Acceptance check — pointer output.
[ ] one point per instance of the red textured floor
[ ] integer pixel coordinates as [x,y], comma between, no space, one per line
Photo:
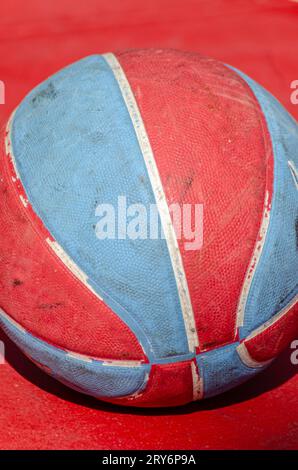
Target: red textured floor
[37,38]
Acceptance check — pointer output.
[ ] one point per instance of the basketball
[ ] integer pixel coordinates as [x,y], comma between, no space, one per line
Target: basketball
[149,227]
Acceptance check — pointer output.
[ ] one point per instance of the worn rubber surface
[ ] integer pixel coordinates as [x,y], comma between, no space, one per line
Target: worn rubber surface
[36,41]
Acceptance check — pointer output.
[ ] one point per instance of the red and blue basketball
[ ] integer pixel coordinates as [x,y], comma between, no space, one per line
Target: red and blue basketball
[149,320]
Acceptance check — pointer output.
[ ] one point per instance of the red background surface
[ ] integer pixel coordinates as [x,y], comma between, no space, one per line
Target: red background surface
[36,39]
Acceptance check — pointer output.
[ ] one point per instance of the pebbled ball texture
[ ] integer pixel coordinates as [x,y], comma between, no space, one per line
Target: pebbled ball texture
[142,321]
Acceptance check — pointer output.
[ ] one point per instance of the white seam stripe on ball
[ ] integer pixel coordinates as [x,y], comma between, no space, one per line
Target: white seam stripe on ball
[273,319]
[247,360]
[197,383]
[58,250]
[160,198]
[71,265]
[258,249]
[294,172]
[242,349]
[8,146]
[74,355]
